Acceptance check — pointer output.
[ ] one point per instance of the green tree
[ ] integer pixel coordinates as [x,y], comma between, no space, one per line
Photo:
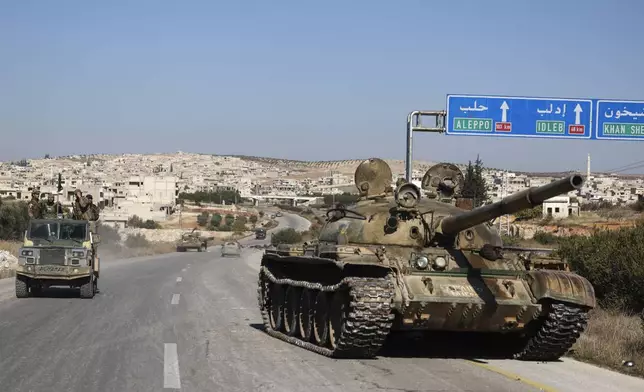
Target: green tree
[253,219]
[60,182]
[14,220]
[286,236]
[612,261]
[239,226]
[202,219]
[474,185]
[215,221]
[229,219]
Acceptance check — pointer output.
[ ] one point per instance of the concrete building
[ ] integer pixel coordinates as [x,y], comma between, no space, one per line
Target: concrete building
[560,207]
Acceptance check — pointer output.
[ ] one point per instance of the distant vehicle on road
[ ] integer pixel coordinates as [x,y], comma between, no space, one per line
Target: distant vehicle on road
[279,213]
[260,233]
[231,248]
[58,252]
[192,240]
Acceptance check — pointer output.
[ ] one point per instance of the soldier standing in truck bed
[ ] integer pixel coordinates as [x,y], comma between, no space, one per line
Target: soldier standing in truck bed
[34,204]
[93,209]
[49,209]
[81,206]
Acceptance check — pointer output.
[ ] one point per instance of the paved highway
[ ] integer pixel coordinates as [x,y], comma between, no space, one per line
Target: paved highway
[189,322]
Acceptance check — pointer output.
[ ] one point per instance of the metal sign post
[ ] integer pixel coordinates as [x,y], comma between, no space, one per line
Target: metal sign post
[414,125]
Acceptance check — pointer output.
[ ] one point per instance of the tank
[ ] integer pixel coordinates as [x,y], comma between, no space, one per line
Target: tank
[192,240]
[406,258]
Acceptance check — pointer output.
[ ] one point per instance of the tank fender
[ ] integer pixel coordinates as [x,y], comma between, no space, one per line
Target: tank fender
[562,286]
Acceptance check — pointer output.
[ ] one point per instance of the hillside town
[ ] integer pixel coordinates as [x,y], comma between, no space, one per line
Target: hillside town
[149,186]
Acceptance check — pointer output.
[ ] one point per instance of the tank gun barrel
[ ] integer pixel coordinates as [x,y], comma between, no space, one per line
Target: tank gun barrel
[522,200]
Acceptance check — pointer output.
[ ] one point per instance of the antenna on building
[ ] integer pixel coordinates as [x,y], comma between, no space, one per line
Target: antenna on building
[588,168]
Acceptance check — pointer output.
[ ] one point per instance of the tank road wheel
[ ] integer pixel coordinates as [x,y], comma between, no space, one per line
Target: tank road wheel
[88,287]
[276,306]
[550,336]
[321,319]
[353,323]
[291,310]
[305,314]
[22,287]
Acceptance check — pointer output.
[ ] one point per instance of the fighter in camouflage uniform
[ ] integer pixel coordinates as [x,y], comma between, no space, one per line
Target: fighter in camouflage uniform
[93,208]
[50,208]
[85,209]
[34,204]
[82,207]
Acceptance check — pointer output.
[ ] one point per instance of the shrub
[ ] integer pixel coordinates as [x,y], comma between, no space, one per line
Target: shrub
[14,219]
[545,238]
[136,241]
[286,236]
[613,261]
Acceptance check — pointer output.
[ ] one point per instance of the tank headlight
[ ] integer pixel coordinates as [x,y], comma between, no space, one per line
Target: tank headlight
[78,253]
[421,262]
[440,262]
[27,253]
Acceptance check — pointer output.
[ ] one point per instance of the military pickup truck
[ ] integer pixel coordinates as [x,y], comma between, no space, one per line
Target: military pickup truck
[58,252]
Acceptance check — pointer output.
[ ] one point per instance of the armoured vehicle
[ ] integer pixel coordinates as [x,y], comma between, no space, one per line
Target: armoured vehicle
[260,233]
[401,261]
[192,240]
[58,252]
[231,248]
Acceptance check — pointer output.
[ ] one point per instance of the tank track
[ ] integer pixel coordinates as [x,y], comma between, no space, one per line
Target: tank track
[556,333]
[369,317]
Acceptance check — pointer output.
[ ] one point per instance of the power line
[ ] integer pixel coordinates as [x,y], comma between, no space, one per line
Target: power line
[621,168]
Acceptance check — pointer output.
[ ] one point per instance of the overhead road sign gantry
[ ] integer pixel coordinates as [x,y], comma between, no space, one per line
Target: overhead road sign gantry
[620,120]
[507,116]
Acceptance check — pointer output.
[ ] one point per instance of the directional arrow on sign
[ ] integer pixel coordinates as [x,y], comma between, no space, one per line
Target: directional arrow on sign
[578,114]
[505,107]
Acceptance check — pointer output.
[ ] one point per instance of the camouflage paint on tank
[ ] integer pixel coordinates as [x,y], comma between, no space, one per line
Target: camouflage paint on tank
[469,283]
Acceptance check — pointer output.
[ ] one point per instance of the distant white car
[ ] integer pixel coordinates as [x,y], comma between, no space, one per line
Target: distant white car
[231,248]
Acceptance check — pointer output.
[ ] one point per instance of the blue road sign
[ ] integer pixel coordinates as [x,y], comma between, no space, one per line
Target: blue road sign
[519,117]
[619,120]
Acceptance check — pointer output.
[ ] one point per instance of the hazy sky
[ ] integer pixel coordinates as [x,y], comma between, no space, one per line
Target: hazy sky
[305,80]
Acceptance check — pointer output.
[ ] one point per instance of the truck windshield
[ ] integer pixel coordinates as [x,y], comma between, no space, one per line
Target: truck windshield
[58,231]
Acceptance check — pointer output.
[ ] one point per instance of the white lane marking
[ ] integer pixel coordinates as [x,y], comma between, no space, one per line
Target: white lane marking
[175,299]
[171,378]
[179,279]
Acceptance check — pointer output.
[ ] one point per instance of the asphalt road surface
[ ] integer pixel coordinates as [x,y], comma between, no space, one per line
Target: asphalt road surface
[189,322]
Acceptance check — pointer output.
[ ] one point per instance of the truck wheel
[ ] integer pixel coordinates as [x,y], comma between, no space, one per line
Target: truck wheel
[22,287]
[87,289]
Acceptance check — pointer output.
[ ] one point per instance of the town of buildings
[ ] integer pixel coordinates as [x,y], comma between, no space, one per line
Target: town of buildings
[149,185]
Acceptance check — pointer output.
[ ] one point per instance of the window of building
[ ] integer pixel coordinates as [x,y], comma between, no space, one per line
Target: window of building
[556,209]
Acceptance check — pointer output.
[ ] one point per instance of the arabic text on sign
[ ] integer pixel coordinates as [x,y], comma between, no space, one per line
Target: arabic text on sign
[480,108]
[549,110]
[623,113]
